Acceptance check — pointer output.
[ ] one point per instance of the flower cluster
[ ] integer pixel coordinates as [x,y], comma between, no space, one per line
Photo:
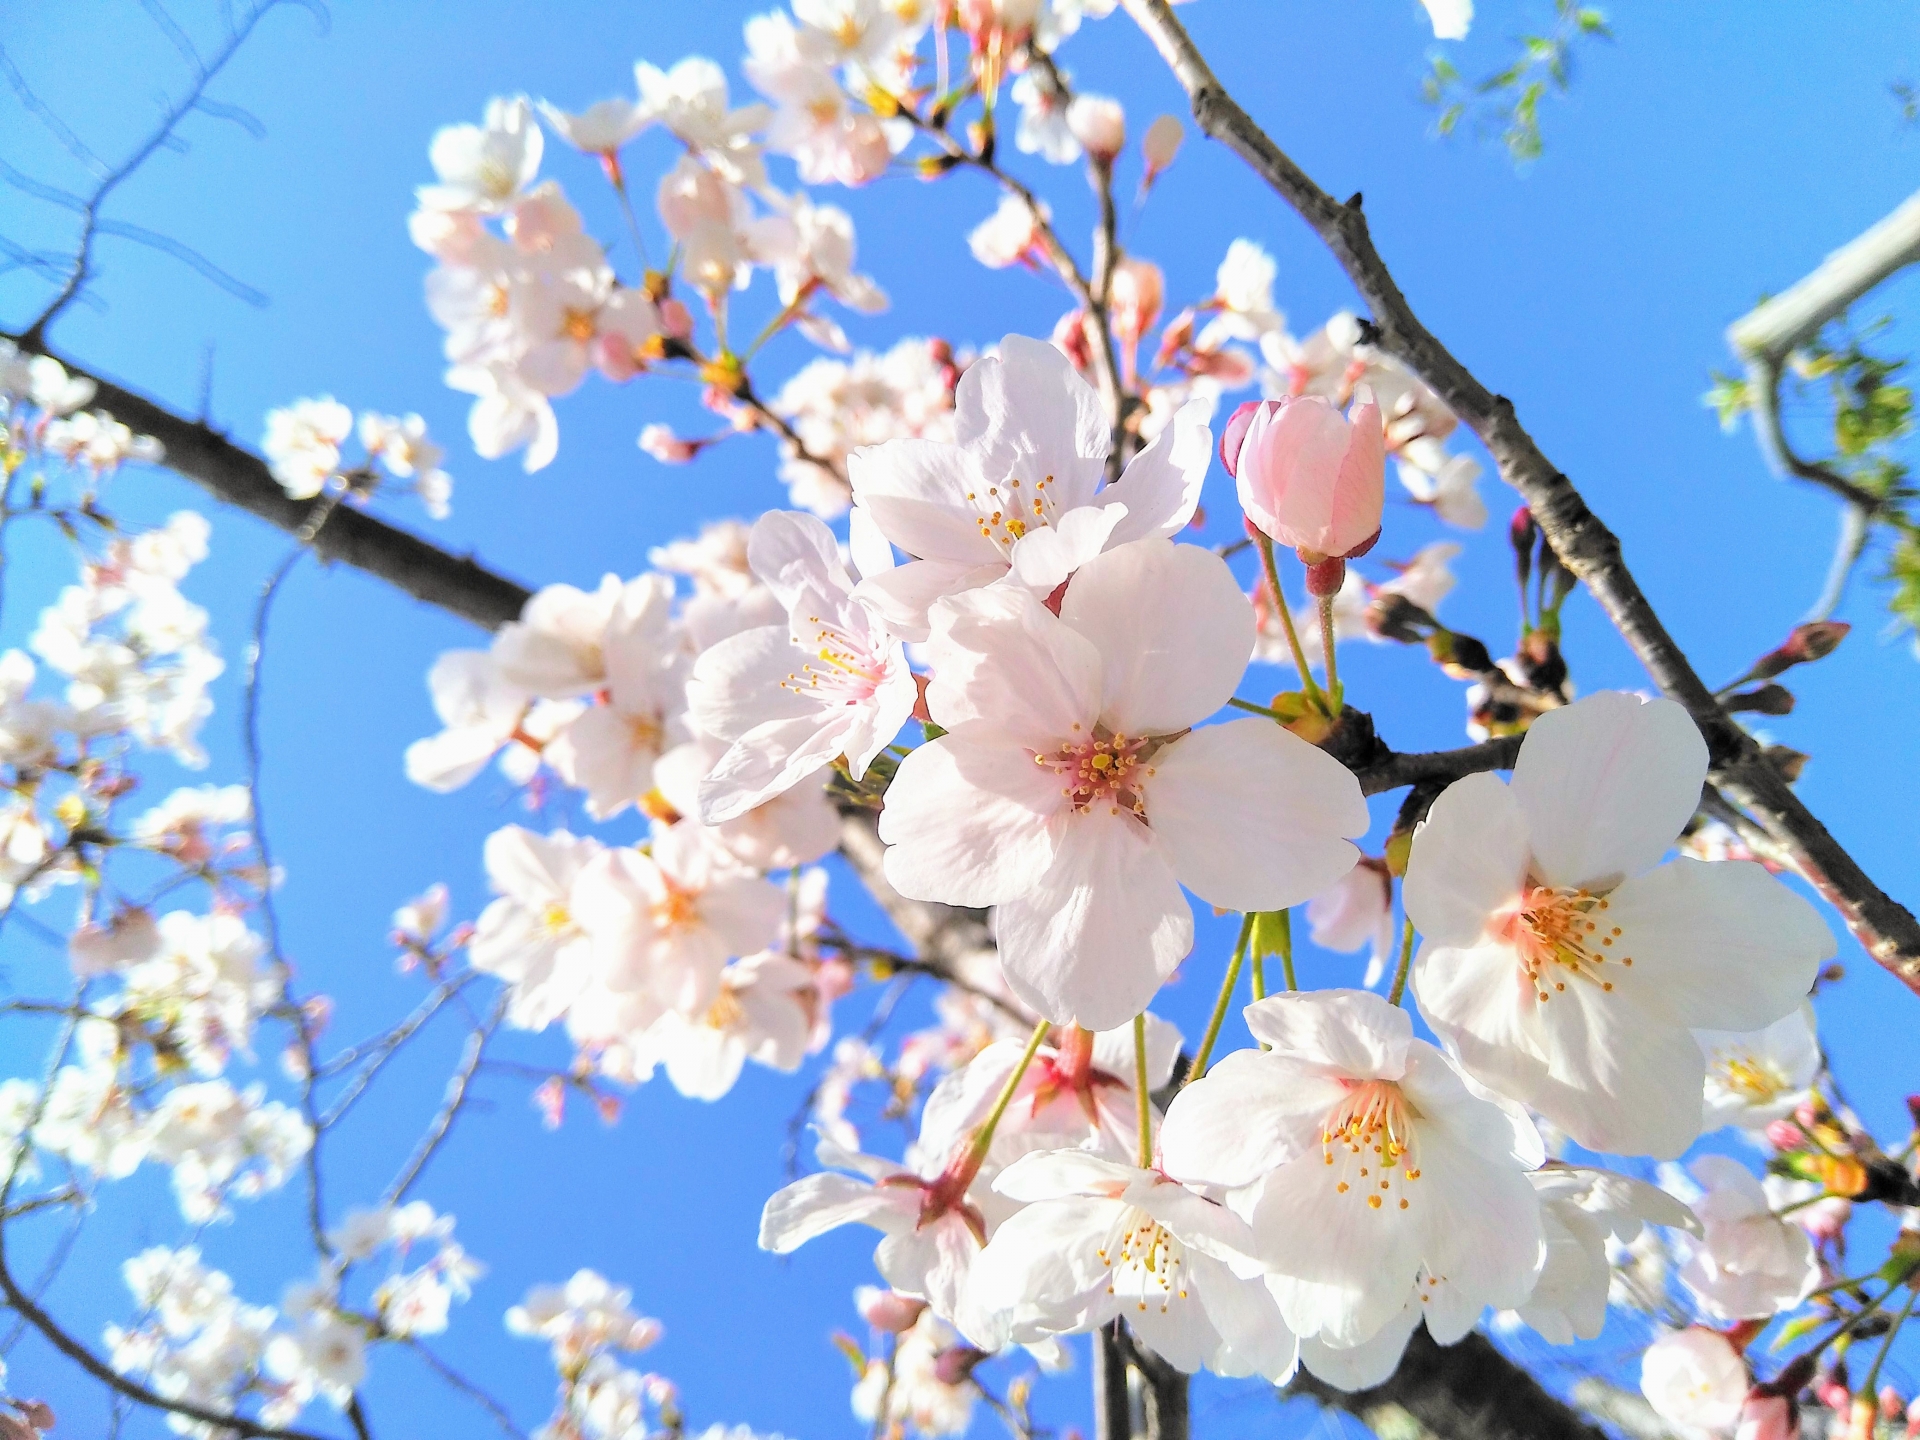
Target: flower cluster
[304,443]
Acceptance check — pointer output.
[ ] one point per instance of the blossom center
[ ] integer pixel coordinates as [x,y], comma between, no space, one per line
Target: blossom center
[1103,770]
[843,670]
[676,907]
[1562,933]
[1369,1136]
[577,325]
[555,918]
[1755,1078]
[1143,1259]
[1008,511]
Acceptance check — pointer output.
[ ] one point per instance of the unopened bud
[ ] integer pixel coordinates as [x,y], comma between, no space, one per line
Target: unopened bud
[887,1310]
[1099,124]
[952,1367]
[1392,616]
[1893,1404]
[1461,656]
[1784,1135]
[1159,145]
[1325,577]
[1764,700]
[1070,337]
[1813,640]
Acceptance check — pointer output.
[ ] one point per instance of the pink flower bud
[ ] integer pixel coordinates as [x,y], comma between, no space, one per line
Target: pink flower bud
[1070,338]
[952,1367]
[1784,1135]
[675,319]
[1160,144]
[1135,297]
[550,1099]
[1099,124]
[887,1310]
[662,444]
[1893,1405]
[1767,1417]
[1308,476]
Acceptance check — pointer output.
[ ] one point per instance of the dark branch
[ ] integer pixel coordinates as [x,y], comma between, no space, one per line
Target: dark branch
[352,537]
[1886,929]
[1468,1391]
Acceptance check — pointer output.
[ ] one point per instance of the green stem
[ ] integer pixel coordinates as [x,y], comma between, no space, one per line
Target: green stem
[1286,950]
[1140,1084]
[1326,645]
[1252,709]
[1873,1375]
[983,1137]
[1279,597]
[1406,962]
[1220,1004]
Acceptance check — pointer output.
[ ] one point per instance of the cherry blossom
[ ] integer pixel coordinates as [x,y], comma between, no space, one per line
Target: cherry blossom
[531,936]
[303,441]
[1073,794]
[586,1315]
[481,712]
[787,699]
[1749,1263]
[1694,1379]
[600,129]
[1019,490]
[484,167]
[1421,1179]
[1759,1077]
[1010,235]
[1585,1212]
[795,827]
[1076,1092]
[1308,476]
[1562,966]
[762,1014]
[1097,1238]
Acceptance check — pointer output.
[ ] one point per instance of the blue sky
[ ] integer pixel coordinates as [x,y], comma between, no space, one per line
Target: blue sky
[1709,155]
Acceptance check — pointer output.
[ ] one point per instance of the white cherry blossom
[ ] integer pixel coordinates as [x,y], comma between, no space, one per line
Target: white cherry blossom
[795,827]
[1416,1184]
[531,937]
[481,712]
[1585,1213]
[1696,1380]
[762,1013]
[1098,1238]
[1758,1077]
[1073,795]
[1562,963]
[787,699]
[1749,1263]
[1019,490]
[484,167]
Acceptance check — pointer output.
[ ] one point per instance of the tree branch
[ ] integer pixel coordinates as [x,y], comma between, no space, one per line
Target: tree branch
[1468,1391]
[236,475]
[1884,927]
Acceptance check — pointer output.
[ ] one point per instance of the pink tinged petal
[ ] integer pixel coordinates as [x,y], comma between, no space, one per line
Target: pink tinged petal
[1360,492]
[1250,1112]
[1161,485]
[446,761]
[902,596]
[1469,861]
[1288,471]
[930,1261]
[603,753]
[769,760]
[792,552]
[1349,1033]
[876,722]
[871,551]
[1004,665]
[1050,1174]
[1254,817]
[916,491]
[1090,939]
[815,1204]
[1593,1062]
[1200,1224]
[967,823]
[738,683]
[744,912]
[1047,554]
[1173,629]
[1719,945]
[1606,785]
[1027,414]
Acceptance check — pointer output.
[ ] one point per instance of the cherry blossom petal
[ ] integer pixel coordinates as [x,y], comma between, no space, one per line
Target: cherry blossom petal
[916,491]
[1606,785]
[1722,945]
[1173,628]
[1092,937]
[769,760]
[1042,1274]
[1006,668]
[1363,1366]
[1253,816]
[1161,485]
[790,551]
[815,1204]
[1047,554]
[1256,1337]
[1342,1032]
[1242,1118]
[1469,860]
[1346,1275]
[902,596]
[967,823]
[736,684]
[1026,413]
